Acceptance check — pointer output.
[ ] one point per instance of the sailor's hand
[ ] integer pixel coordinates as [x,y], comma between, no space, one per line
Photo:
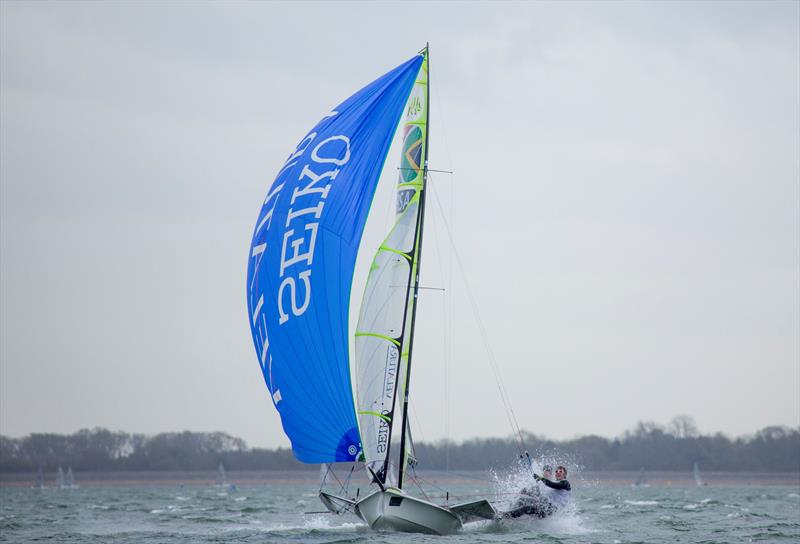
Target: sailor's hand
[536,477]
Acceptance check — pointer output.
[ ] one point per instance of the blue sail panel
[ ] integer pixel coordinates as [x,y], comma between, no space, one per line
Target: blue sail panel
[301,261]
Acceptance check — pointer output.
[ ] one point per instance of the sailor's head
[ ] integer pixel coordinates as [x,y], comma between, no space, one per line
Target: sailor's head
[561,472]
[547,471]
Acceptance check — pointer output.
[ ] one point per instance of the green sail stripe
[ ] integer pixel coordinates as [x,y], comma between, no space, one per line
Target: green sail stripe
[382,336]
[387,419]
[384,248]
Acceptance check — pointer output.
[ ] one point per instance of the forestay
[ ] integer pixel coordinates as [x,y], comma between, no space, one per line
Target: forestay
[301,262]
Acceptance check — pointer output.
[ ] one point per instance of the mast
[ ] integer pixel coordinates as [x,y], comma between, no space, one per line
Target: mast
[419,239]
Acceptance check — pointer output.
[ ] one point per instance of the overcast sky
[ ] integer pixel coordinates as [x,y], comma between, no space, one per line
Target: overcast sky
[625,202]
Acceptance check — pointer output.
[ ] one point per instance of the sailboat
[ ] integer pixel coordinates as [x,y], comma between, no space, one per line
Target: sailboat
[222,479]
[641,479]
[696,473]
[60,480]
[69,479]
[334,408]
[39,484]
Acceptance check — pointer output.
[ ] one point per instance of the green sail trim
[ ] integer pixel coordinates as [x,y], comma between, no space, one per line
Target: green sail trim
[386,418]
[397,251]
[383,336]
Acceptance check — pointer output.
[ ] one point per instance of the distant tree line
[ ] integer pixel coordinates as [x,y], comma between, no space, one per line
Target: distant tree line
[676,446]
[649,445]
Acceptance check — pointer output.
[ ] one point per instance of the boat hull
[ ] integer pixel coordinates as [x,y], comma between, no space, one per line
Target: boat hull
[396,511]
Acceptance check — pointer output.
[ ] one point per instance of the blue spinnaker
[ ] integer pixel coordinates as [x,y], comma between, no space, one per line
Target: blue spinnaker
[301,265]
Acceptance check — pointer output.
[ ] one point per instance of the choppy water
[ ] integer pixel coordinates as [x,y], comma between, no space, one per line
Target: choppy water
[274,512]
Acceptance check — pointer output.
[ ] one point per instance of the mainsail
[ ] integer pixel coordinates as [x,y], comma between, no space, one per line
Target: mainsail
[383,333]
[301,261]
[696,472]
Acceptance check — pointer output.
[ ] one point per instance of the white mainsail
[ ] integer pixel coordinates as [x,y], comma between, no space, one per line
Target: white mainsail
[383,334]
[696,472]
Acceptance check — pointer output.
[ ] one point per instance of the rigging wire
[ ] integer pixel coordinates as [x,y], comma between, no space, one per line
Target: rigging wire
[441,107]
[344,487]
[446,326]
[510,415]
[449,332]
[332,473]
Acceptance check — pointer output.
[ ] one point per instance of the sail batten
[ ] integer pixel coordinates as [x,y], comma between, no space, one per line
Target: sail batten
[301,261]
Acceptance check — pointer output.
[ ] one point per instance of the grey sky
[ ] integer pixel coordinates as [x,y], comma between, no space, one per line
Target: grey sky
[626,202]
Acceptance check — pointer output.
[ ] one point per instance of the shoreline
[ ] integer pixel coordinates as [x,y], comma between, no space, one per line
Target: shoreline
[311,477]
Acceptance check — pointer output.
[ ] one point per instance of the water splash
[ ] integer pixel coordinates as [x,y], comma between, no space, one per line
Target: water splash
[508,486]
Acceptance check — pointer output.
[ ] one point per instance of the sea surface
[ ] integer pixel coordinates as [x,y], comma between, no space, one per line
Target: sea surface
[276,509]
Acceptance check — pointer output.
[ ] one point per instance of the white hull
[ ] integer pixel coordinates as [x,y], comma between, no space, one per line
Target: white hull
[394,510]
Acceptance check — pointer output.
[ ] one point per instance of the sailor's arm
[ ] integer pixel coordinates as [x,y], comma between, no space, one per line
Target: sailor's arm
[561,484]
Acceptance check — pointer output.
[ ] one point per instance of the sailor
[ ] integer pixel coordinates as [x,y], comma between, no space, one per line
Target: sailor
[545,498]
[560,491]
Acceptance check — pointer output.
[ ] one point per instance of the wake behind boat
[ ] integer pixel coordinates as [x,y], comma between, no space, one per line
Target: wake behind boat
[300,273]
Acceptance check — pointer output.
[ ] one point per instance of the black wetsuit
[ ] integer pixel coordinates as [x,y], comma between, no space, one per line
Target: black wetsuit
[535,504]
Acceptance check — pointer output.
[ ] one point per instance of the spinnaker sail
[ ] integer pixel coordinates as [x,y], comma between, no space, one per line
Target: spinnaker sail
[301,261]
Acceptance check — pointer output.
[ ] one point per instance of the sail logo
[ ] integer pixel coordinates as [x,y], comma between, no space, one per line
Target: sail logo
[389,385]
[410,165]
[299,238]
[414,106]
[390,373]
[304,214]
[383,432]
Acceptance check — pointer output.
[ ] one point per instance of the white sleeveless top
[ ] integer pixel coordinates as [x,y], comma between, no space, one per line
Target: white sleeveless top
[559,497]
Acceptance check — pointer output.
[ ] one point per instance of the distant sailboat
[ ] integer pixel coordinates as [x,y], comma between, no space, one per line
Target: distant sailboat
[300,274]
[69,479]
[222,479]
[641,479]
[697,479]
[39,479]
[61,482]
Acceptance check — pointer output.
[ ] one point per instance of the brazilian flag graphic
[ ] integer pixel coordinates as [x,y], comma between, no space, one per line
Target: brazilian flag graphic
[410,166]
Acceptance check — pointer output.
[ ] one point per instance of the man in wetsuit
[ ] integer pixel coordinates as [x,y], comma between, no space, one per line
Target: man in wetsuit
[554,495]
